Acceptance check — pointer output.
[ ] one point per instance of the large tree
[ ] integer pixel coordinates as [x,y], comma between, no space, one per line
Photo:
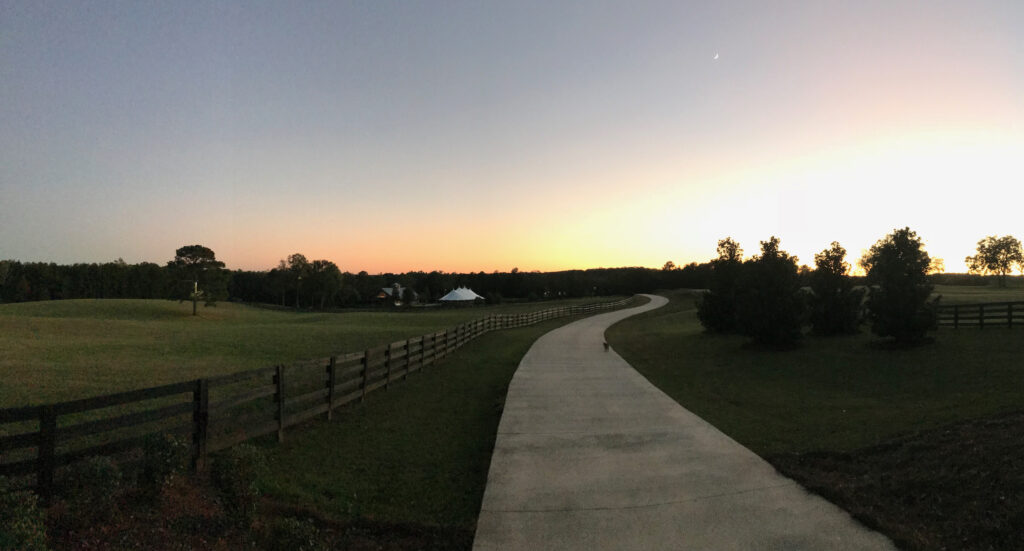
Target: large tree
[770,307]
[996,255]
[198,264]
[325,281]
[897,274]
[836,304]
[717,308]
[299,268]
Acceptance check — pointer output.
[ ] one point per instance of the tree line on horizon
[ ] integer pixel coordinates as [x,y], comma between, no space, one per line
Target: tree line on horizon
[296,281]
[765,298]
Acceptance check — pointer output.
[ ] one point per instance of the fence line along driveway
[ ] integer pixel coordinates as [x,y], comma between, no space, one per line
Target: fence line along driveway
[590,455]
[219,412]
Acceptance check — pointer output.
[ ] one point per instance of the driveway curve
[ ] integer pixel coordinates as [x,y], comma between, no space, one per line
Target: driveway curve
[590,455]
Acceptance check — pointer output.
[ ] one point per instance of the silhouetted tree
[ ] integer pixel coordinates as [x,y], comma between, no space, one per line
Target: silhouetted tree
[325,281]
[198,264]
[770,307]
[996,255]
[898,306]
[836,304]
[717,308]
[299,268]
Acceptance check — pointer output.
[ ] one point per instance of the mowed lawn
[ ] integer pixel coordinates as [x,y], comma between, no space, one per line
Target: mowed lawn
[61,350]
[416,455]
[834,394]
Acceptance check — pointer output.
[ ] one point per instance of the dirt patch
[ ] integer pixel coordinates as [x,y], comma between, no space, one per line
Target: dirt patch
[957,487]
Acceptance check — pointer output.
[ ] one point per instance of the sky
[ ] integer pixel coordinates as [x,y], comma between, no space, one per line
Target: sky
[468,136]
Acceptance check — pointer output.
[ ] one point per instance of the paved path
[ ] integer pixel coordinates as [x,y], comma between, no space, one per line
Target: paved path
[590,455]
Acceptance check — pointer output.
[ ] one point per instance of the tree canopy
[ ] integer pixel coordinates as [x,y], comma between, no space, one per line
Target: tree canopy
[996,255]
[199,265]
[897,273]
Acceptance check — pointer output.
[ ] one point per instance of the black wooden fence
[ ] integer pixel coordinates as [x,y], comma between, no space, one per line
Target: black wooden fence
[981,315]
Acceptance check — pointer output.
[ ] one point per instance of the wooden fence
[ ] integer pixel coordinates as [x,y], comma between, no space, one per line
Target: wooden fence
[37,441]
[988,314]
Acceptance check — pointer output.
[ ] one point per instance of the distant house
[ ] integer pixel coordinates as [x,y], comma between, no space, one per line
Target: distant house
[395,293]
[462,295]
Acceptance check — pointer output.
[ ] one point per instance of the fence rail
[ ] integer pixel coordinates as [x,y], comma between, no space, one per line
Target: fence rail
[990,314]
[37,440]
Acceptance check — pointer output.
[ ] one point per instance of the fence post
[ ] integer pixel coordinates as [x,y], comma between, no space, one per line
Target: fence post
[981,316]
[200,423]
[407,363]
[387,367]
[279,398]
[47,445]
[1009,314]
[330,386]
[366,373]
[956,316]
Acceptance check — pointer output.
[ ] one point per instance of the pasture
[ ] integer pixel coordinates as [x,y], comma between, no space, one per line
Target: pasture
[62,350]
[971,294]
[918,443]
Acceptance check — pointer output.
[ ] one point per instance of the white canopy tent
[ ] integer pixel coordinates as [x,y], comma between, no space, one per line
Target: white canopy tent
[462,294]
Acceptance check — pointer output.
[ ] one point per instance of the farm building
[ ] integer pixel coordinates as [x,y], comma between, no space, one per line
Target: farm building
[462,295]
[396,293]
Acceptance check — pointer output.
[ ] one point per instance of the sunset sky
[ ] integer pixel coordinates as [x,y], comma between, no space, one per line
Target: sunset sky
[466,136]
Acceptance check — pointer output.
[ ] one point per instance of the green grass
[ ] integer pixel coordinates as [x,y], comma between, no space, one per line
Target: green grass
[418,453]
[961,294]
[836,393]
[61,350]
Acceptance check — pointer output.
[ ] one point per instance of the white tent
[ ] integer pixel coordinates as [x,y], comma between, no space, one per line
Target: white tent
[462,294]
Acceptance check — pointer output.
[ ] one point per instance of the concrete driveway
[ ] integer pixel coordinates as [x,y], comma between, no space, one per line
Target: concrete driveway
[590,455]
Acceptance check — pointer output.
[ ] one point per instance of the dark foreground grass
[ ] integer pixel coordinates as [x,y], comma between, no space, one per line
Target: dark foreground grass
[957,487]
[62,350]
[923,444]
[407,466]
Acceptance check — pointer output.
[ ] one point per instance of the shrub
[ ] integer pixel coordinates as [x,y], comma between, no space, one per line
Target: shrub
[770,307]
[897,271]
[90,488]
[836,306]
[291,534]
[234,473]
[717,308]
[22,522]
[163,456]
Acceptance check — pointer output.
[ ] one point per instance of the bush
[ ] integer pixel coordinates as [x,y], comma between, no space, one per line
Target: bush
[163,455]
[717,308]
[897,271]
[770,307]
[234,473]
[90,488]
[291,534]
[836,306]
[22,522]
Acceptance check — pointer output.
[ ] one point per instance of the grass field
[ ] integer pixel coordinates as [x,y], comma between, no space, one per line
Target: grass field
[924,445]
[835,393]
[961,294]
[61,350]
